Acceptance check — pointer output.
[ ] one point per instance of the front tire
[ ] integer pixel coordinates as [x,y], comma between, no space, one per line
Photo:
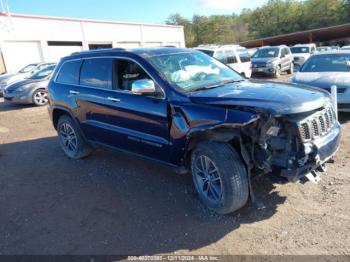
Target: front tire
[40,97]
[277,73]
[71,140]
[220,177]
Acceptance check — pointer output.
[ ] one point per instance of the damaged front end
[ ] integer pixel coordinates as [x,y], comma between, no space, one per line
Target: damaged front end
[294,146]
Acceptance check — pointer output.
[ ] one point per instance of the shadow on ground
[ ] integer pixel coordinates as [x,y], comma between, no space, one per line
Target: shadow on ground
[109,203]
[7,106]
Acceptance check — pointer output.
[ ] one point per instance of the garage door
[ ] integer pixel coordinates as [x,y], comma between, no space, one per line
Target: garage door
[19,54]
[128,44]
[57,50]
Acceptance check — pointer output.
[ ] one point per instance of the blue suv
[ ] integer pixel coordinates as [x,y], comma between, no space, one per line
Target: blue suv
[188,110]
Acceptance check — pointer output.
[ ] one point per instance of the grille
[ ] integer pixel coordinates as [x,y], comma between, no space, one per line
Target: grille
[317,125]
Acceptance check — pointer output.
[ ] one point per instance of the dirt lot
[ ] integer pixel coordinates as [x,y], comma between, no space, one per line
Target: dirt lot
[111,203]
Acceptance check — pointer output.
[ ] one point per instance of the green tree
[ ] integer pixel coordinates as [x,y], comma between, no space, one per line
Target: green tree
[177,19]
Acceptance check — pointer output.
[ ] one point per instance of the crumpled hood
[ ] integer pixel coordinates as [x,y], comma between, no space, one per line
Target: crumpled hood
[21,83]
[323,79]
[276,98]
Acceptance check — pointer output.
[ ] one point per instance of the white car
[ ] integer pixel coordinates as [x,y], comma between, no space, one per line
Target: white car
[235,56]
[346,47]
[302,52]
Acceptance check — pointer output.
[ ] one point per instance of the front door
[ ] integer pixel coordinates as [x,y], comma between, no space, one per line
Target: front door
[116,117]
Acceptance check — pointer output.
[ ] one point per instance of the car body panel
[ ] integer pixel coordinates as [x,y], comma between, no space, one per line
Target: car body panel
[273,97]
[325,80]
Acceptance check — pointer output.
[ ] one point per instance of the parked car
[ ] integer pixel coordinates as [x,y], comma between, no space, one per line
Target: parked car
[234,56]
[346,47]
[302,52]
[32,90]
[335,47]
[324,48]
[272,60]
[326,69]
[26,71]
[193,113]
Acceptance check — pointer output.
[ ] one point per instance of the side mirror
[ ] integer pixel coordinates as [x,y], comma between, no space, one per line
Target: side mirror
[143,87]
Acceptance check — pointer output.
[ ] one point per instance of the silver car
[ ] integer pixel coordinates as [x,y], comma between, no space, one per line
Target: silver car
[26,71]
[272,60]
[31,90]
[326,69]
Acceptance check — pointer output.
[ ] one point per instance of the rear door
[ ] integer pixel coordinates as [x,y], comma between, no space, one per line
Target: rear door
[232,61]
[244,58]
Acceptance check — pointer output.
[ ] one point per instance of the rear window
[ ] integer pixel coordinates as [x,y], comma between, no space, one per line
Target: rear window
[208,52]
[300,50]
[243,55]
[69,73]
[97,72]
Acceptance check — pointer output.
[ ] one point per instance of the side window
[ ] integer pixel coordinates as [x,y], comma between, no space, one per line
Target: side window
[126,73]
[283,52]
[231,57]
[97,72]
[244,56]
[69,73]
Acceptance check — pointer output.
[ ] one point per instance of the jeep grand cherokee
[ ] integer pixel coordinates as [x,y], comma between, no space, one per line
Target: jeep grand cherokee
[188,110]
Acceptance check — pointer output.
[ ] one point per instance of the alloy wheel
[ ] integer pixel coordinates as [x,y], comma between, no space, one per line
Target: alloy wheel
[40,98]
[208,179]
[68,138]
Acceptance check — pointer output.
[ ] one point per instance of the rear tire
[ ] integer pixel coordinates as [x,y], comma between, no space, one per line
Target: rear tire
[71,140]
[220,177]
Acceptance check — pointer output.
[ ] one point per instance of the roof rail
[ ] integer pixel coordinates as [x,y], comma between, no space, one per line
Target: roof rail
[98,50]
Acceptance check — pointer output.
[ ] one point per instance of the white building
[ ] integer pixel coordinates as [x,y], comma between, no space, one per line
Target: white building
[27,39]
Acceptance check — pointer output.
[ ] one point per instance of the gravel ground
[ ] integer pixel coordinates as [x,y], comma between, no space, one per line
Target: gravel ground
[112,203]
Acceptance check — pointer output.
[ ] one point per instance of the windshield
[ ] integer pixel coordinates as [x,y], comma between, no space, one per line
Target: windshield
[43,73]
[266,52]
[193,71]
[327,63]
[208,52]
[27,68]
[324,48]
[299,50]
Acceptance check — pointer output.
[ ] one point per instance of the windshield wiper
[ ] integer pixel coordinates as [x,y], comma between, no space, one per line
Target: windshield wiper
[218,85]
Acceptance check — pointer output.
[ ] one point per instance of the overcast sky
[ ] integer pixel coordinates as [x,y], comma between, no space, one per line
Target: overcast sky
[146,11]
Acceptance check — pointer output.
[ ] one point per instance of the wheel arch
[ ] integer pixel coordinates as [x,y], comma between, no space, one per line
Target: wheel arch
[231,136]
[57,112]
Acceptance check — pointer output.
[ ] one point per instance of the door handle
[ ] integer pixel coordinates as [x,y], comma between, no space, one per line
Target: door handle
[113,99]
[72,92]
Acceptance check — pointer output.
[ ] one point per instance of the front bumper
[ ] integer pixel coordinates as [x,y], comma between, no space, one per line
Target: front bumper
[24,97]
[322,150]
[263,70]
